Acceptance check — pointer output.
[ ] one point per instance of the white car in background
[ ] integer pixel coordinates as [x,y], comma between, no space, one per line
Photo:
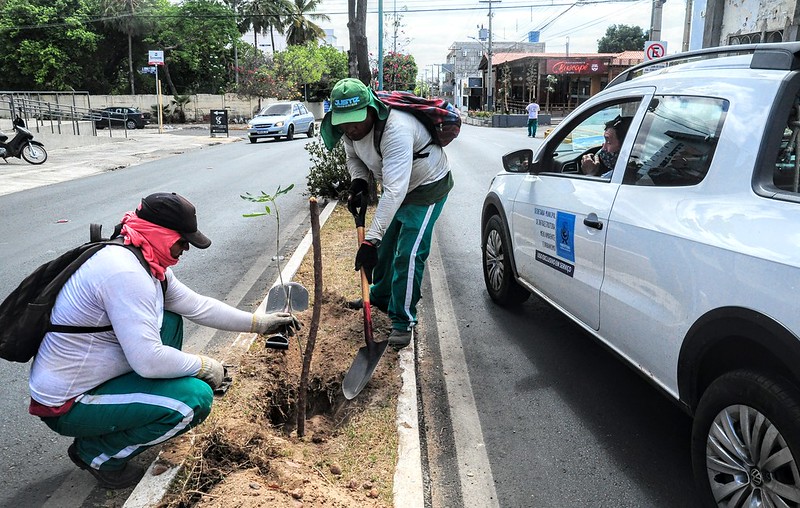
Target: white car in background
[685,261]
[281,119]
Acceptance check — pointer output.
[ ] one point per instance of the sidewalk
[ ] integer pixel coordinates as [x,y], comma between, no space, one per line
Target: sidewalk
[71,157]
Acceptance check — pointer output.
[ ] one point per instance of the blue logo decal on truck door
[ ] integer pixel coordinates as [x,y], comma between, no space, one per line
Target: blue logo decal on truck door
[565,233]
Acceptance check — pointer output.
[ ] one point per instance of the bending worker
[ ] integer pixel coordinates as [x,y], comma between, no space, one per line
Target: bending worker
[415,179]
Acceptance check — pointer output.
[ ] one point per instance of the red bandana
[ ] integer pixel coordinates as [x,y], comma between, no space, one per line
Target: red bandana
[154,240]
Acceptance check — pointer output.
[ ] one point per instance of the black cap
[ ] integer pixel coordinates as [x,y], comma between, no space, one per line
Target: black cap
[173,212]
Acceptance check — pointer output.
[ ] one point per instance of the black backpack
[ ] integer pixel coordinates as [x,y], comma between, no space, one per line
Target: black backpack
[25,313]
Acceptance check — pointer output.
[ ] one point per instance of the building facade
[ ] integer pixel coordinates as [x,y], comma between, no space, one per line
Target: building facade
[573,78]
[463,79]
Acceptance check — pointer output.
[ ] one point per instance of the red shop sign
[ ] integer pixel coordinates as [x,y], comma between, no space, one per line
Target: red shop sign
[575,66]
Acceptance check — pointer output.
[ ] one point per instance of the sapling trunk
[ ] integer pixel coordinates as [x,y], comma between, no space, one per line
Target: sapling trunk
[315,317]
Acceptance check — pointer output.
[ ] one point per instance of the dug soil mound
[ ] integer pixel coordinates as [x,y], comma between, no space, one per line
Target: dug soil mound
[248,453]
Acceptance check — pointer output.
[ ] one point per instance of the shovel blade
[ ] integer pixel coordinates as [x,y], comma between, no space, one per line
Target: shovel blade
[290,296]
[362,368]
[277,341]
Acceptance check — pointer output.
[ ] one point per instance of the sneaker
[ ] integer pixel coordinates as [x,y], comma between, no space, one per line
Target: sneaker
[399,339]
[123,478]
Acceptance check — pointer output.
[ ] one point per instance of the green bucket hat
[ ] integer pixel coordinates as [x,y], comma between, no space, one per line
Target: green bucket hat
[349,100]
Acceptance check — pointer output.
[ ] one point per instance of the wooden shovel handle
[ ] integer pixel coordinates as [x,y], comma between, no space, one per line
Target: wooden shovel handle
[368,337]
[364,282]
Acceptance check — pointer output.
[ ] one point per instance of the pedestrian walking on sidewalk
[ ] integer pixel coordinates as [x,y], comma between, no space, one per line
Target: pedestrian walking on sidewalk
[122,384]
[533,118]
[415,179]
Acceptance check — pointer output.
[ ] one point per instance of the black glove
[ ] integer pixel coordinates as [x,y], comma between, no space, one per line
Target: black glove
[367,258]
[357,186]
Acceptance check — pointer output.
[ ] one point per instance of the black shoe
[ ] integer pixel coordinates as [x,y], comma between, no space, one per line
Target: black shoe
[354,304]
[399,339]
[125,477]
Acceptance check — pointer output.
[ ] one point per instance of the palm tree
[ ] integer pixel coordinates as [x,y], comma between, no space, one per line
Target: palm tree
[300,28]
[121,15]
[263,15]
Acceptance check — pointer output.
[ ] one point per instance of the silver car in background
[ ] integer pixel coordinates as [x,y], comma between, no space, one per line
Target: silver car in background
[281,119]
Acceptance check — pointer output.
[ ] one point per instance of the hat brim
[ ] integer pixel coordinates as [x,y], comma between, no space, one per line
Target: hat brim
[331,133]
[197,239]
[354,115]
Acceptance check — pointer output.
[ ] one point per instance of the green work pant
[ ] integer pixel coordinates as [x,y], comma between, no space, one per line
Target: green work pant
[532,124]
[402,253]
[128,414]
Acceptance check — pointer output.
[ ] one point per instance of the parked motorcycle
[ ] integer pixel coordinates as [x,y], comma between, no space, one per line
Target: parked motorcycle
[22,144]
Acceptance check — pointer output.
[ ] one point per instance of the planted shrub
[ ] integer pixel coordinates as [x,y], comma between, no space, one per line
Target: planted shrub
[328,177]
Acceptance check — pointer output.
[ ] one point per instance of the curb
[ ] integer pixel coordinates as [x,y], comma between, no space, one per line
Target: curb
[408,488]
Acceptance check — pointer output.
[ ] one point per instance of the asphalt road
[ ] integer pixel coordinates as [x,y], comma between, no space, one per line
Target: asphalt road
[520,408]
[558,419]
[238,268]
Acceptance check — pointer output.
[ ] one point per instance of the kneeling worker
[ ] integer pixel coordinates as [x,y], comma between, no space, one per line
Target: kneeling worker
[121,391]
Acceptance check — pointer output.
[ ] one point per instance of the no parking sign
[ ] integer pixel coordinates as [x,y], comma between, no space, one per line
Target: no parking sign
[654,50]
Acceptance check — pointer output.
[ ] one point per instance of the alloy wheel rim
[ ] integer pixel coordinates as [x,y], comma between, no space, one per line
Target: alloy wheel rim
[494,259]
[749,462]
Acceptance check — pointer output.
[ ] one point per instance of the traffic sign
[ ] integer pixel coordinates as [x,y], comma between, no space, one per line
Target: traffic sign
[155,57]
[148,70]
[654,50]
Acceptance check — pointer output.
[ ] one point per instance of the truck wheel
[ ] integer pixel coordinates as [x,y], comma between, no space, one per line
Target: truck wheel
[746,441]
[498,274]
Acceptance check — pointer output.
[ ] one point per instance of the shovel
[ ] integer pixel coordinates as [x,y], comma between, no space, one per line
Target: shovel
[285,298]
[369,355]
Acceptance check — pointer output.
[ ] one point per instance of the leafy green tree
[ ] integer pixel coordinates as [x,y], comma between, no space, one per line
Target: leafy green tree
[130,18]
[399,71]
[619,38]
[300,29]
[335,69]
[307,71]
[197,37]
[47,44]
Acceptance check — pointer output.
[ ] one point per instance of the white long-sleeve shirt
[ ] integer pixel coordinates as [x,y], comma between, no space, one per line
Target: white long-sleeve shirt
[113,288]
[397,171]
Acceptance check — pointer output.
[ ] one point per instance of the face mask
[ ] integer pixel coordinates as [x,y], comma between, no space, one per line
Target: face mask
[608,159]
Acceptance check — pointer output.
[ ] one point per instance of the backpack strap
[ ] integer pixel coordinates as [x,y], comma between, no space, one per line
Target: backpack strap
[95,232]
[377,133]
[377,136]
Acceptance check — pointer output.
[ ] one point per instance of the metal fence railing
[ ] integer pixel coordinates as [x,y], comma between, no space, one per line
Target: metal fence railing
[61,114]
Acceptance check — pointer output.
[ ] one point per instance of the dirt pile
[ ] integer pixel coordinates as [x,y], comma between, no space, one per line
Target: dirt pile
[247,454]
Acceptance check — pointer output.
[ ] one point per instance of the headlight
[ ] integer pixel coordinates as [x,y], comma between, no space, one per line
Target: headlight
[278,124]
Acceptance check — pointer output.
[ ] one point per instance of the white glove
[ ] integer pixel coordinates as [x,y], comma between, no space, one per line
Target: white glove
[264,323]
[211,371]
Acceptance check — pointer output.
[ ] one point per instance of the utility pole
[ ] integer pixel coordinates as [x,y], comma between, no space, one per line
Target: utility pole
[687,25]
[490,84]
[380,44]
[655,20]
[236,47]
